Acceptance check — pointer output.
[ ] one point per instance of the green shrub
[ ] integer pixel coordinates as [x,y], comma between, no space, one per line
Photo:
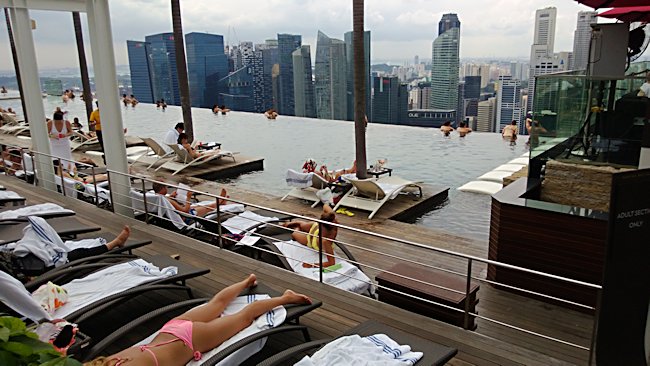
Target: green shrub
[19,346]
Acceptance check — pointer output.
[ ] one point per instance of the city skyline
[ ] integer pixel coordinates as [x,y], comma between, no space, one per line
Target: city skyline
[401,29]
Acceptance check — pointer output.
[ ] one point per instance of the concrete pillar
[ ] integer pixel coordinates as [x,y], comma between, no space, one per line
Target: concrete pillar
[32,95]
[99,27]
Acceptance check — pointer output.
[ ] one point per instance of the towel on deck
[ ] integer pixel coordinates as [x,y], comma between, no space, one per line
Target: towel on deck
[298,180]
[33,210]
[110,281]
[376,350]
[271,319]
[40,239]
[348,277]
[245,221]
[9,195]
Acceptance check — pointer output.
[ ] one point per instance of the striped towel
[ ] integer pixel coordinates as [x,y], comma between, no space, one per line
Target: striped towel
[40,239]
[378,349]
[297,179]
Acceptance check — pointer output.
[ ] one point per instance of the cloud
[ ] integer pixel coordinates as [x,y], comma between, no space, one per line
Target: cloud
[400,28]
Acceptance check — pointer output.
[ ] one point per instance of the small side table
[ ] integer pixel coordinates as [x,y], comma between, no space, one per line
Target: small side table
[376,174]
[209,146]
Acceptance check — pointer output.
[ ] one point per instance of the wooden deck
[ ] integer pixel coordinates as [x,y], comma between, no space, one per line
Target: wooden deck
[491,344]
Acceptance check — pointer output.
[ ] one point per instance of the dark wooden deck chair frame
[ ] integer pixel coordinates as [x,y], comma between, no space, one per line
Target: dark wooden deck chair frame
[66,227]
[291,323]
[434,353]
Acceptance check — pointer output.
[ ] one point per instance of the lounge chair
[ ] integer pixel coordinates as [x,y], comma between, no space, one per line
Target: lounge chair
[372,194]
[11,197]
[183,159]
[154,155]
[14,130]
[278,249]
[236,350]
[307,193]
[66,227]
[81,142]
[433,353]
[118,281]
[44,210]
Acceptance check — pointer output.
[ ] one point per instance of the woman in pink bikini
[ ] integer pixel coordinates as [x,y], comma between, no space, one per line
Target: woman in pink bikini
[199,330]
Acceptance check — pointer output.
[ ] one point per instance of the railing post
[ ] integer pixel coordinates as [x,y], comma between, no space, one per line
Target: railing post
[219,232]
[92,170]
[467,290]
[22,159]
[144,200]
[110,190]
[31,155]
[61,175]
[594,331]
[320,251]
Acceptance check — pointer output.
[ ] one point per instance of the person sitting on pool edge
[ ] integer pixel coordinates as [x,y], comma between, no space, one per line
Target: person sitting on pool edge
[200,330]
[183,142]
[307,233]
[187,207]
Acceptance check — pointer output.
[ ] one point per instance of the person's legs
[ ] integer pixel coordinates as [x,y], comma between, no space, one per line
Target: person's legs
[206,336]
[101,249]
[218,303]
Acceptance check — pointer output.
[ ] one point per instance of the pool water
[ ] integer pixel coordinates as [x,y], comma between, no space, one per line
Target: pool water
[415,153]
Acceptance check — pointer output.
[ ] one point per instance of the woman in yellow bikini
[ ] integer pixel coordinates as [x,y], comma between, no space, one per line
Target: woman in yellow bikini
[307,233]
[199,330]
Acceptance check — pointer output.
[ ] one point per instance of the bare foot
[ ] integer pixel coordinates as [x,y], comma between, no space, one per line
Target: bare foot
[225,195]
[121,239]
[251,281]
[294,298]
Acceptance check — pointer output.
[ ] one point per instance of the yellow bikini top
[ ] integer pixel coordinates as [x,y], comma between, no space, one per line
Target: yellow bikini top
[312,238]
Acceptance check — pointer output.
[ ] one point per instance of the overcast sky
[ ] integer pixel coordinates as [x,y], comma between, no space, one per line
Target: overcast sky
[400,29]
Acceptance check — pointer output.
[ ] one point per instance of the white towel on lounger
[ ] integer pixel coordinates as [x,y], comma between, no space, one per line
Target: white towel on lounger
[375,350]
[8,195]
[40,239]
[348,277]
[33,210]
[245,221]
[109,281]
[298,179]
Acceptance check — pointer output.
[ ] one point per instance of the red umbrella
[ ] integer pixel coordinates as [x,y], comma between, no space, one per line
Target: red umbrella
[598,4]
[629,14]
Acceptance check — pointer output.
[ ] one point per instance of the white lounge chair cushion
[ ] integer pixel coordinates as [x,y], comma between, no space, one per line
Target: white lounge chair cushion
[509,167]
[481,186]
[495,176]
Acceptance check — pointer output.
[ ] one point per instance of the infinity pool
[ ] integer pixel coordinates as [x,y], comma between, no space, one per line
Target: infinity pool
[414,153]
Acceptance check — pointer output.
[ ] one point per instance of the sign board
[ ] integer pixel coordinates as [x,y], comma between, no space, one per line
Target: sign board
[623,315]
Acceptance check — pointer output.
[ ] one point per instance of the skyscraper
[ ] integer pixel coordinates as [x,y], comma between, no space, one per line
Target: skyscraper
[140,73]
[237,89]
[330,78]
[206,60]
[390,100]
[581,39]
[508,107]
[303,83]
[485,118]
[541,52]
[164,78]
[349,47]
[445,64]
[287,43]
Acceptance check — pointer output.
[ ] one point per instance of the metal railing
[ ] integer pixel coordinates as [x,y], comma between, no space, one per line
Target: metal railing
[158,211]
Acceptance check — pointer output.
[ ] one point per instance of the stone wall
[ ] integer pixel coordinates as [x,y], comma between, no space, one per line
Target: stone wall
[580,185]
[521,173]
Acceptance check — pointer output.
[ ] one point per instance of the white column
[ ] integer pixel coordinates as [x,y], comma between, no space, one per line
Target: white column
[101,38]
[35,112]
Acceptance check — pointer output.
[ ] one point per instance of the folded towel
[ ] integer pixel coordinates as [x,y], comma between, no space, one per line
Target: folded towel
[245,221]
[377,349]
[299,180]
[34,210]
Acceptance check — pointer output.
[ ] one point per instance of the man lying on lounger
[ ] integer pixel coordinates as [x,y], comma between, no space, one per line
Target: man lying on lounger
[42,244]
[307,233]
[194,210]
